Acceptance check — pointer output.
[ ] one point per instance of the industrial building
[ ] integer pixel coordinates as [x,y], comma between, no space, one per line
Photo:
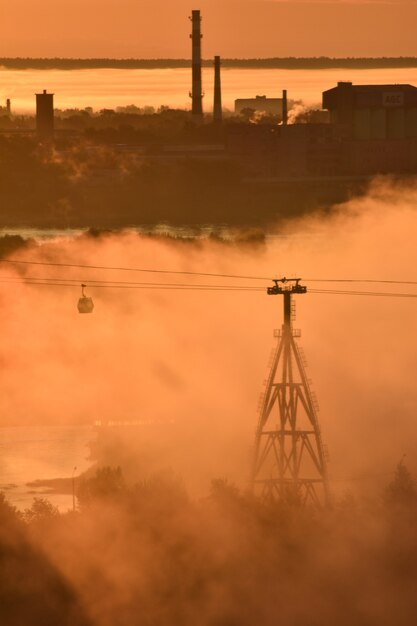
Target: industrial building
[374,111]
[260,104]
[372,130]
[293,150]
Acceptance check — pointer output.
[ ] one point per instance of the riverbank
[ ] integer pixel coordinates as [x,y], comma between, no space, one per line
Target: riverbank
[34,461]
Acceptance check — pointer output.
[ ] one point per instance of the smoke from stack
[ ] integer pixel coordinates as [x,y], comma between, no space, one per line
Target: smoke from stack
[197,89]
[217,108]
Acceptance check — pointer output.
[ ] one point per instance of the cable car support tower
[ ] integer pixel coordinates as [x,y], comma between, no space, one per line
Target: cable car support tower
[289,463]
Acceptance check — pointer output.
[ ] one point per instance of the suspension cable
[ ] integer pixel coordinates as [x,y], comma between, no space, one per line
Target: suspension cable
[191,273]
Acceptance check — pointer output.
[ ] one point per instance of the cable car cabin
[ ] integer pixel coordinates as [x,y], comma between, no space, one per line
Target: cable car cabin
[85,305]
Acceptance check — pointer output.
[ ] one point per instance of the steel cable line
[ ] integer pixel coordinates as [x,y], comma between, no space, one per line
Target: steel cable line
[166,286]
[132,269]
[359,280]
[207,274]
[65,282]
[115,283]
[363,293]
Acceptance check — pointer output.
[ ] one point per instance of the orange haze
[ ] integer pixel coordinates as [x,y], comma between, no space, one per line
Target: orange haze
[199,358]
[232,28]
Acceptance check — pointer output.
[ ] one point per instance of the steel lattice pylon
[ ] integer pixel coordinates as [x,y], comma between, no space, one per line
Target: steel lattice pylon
[289,462]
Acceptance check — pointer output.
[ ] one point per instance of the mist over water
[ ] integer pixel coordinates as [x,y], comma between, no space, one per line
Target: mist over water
[198,359]
[109,88]
[159,542]
[41,452]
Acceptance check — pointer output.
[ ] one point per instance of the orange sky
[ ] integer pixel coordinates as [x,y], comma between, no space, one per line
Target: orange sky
[232,28]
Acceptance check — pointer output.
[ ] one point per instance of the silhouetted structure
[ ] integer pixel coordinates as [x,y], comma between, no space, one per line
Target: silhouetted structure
[374,111]
[284,107]
[262,104]
[289,463]
[217,107]
[8,107]
[197,88]
[45,115]
[372,129]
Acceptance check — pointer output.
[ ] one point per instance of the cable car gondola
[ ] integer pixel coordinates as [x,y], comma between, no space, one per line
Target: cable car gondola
[85,304]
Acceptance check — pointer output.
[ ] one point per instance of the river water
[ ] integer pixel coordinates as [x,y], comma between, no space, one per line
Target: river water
[109,88]
[29,453]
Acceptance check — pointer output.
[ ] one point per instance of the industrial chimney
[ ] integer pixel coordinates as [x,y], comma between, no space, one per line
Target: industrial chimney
[197,89]
[45,115]
[8,107]
[217,107]
[284,107]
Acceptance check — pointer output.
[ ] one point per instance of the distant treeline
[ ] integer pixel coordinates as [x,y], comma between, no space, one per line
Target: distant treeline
[287,63]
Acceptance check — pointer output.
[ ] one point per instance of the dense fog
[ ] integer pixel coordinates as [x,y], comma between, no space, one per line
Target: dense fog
[165,530]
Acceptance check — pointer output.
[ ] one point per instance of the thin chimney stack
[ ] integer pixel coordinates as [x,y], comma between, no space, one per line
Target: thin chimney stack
[217,107]
[197,88]
[284,107]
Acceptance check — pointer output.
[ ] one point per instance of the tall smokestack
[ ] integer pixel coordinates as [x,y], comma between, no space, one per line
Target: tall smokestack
[197,90]
[8,107]
[45,115]
[284,107]
[217,107]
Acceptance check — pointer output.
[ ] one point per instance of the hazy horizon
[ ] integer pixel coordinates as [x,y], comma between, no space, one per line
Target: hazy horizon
[111,88]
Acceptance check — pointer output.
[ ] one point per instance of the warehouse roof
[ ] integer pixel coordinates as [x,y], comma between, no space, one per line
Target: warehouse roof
[365,96]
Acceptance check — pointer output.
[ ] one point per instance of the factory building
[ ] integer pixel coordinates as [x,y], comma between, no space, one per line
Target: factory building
[374,111]
[260,104]
[372,130]
[294,150]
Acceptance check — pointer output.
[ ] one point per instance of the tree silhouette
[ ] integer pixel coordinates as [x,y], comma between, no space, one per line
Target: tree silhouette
[402,491]
[107,483]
